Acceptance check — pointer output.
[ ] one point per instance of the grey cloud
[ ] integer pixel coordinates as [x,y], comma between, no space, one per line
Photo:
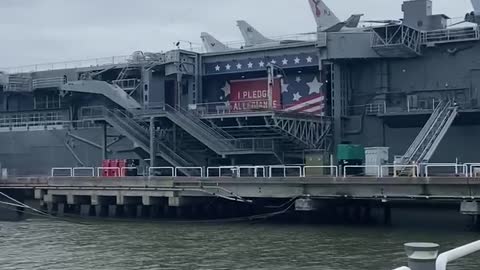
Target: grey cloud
[35,31]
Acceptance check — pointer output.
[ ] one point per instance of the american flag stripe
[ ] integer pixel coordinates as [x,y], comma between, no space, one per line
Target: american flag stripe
[314,109]
[305,103]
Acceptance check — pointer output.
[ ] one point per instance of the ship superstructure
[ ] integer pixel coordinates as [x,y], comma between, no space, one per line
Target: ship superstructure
[401,85]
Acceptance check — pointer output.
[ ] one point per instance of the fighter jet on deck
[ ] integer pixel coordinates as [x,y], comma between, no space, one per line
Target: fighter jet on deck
[253,38]
[326,19]
[211,44]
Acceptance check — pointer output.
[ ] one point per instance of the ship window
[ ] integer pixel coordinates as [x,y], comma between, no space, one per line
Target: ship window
[420,23]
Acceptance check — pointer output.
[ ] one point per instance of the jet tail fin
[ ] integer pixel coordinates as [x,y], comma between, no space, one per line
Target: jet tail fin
[324,17]
[251,35]
[211,44]
[476,6]
[353,21]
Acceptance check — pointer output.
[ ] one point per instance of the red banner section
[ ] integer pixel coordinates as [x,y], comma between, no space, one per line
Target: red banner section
[252,94]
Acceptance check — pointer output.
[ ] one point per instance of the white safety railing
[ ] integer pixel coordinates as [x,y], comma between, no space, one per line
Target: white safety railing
[219,170]
[115,169]
[471,168]
[177,169]
[376,167]
[455,166]
[454,254]
[255,169]
[84,172]
[460,170]
[123,170]
[285,169]
[152,170]
[236,171]
[333,169]
[383,168]
[59,171]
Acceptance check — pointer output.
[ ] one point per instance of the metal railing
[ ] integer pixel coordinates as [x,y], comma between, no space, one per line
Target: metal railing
[77,172]
[457,253]
[61,171]
[451,35]
[455,166]
[376,108]
[116,170]
[179,169]
[271,171]
[152,170]
[93,62]
[53,82]
[471,169]
[334,169]
[127,84]
[237,107]
[365,167]
[38,118]
[285,170]
[428,258]
[236,171]
[398,168]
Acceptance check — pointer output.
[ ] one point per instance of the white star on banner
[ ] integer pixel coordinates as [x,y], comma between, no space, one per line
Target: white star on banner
[297,60]
[309,59]
[298,79]
[261,64]
[285,61]
[273,61]
[226,89]
[239,66]
[217,68]
[297,96]
[315,86]
[284,87]
[250,65]
[228,66]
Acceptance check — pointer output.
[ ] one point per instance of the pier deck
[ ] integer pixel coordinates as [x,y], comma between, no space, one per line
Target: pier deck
[136,196]
[452,188]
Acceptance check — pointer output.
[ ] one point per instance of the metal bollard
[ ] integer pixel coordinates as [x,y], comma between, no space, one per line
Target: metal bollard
[421,256]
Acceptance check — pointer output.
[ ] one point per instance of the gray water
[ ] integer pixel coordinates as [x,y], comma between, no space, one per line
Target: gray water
[49,244]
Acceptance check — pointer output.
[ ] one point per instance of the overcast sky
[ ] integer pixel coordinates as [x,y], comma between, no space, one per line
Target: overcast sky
[42,31]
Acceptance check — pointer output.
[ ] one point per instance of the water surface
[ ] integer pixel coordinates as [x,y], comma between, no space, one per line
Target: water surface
[52,244]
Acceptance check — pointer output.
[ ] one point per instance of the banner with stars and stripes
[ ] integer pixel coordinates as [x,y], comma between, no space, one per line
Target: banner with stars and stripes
[297,92]
[303,94]
[260,63]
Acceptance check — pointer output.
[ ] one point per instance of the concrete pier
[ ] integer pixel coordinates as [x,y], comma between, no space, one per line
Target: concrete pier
[331,199]
[112,211]
[141,210]
[85,210]
[61,208]
[101,210]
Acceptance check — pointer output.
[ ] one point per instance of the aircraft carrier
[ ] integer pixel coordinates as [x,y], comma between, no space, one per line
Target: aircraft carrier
[411,86]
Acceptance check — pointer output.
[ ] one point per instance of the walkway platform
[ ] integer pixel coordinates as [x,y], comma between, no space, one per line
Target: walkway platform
[433,188]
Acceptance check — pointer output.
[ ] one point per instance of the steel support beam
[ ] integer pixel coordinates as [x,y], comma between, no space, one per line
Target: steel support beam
[152,142]
[104,141]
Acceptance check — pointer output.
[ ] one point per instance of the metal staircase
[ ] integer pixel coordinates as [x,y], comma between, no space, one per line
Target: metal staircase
[140,135]
[431,135]
[212,136]
[313,132]
[112,92]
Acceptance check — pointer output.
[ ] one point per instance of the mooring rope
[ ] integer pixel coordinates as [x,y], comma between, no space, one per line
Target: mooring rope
[35,211]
